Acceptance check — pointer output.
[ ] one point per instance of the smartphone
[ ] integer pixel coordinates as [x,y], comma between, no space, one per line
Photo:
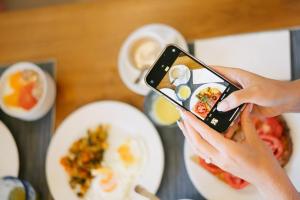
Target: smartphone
[192,85]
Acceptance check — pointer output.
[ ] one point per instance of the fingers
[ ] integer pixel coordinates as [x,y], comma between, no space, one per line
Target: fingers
[247,124]
[211,136]
[198,144]
[201,145]
[235,75]
[236,99]
[232,130]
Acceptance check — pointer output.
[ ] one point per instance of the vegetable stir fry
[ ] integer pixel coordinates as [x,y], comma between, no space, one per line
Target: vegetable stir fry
[85,155]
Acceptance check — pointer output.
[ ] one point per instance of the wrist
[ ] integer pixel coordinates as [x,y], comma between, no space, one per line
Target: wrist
[294,96]
[276,186]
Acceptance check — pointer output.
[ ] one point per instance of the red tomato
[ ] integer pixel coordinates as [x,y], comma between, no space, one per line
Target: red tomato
[26,99]
[274,143]
[234,181]
[269,126]
[276,126]
[210,167]
[201,109]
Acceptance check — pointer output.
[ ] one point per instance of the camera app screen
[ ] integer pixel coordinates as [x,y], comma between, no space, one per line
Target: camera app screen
[196,88]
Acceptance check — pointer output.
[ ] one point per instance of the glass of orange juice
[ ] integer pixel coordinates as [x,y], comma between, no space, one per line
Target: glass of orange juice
[160,110]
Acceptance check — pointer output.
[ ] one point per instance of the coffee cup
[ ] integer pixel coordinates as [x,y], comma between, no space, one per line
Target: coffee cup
[143,49]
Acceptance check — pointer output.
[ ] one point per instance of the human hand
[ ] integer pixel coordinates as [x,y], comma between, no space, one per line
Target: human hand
[271,97]
[250,159]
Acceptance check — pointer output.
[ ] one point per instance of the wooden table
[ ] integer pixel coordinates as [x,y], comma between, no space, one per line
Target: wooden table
[85,38]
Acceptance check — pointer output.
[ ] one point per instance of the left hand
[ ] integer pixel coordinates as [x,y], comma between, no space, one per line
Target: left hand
[250,159]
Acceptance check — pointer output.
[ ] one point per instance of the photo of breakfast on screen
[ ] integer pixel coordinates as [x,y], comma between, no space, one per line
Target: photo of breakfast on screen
[190,84]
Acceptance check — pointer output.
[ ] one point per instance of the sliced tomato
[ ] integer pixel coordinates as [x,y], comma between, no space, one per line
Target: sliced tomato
[275,126]
[26,99]
[269,126]
[234,181]
[210,167]
[274,143]
[201,109]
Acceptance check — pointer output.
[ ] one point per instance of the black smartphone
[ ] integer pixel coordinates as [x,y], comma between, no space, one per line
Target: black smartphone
[193,85]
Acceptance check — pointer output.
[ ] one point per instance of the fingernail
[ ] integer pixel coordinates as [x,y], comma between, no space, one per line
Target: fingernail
[179,123]
[250,108]
[181,112]
[223,106]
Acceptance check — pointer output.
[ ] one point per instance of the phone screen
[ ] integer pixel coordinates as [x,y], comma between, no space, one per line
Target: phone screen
[194,86]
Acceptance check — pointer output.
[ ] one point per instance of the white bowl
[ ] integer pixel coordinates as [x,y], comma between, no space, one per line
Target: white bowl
[45,102]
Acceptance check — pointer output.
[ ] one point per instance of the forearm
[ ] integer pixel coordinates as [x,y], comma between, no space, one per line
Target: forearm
[277,186]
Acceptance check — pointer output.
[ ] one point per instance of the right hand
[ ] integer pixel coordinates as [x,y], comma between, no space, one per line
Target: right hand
[249,159]
[271,97]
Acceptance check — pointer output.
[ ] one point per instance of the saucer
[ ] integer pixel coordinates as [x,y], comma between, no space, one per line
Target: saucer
[127,72]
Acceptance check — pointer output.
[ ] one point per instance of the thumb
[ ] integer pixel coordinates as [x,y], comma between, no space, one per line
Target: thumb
[235,99]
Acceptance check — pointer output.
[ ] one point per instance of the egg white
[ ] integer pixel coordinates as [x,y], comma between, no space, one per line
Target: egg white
[124,175]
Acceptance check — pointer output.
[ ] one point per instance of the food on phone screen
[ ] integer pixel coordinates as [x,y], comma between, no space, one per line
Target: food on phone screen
[183,92]
[23,90]
[207,98]
[104,164]
[273,132]
[179,74]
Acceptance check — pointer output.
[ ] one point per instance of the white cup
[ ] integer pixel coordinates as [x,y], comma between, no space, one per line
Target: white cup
[138,36]
[44,103]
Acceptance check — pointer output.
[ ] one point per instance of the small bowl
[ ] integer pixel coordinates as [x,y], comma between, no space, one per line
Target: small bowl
[44,103]
[14,188]
[177,91]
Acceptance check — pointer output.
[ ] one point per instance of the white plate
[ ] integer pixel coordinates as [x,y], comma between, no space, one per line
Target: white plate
[214,189]
[128,74]
[9,157]
[121,117]
[195,100]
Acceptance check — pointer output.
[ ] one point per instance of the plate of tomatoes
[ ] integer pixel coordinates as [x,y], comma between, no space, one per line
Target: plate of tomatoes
[280,134]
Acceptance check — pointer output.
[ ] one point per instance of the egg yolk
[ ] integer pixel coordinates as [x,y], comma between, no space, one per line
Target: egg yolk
[15,80]
[126,154]
[12,99]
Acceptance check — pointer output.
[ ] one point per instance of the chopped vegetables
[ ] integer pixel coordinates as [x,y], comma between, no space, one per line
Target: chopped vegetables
[207,99]
[85,155]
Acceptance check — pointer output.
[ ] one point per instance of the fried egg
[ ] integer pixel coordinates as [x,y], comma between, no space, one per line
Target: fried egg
[121,166]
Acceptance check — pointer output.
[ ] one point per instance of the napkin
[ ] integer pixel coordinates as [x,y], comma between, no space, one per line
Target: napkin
[265,53]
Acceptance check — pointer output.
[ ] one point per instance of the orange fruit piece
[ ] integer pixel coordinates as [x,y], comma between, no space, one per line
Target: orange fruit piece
[15,81]
[12,99]
[26,99]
